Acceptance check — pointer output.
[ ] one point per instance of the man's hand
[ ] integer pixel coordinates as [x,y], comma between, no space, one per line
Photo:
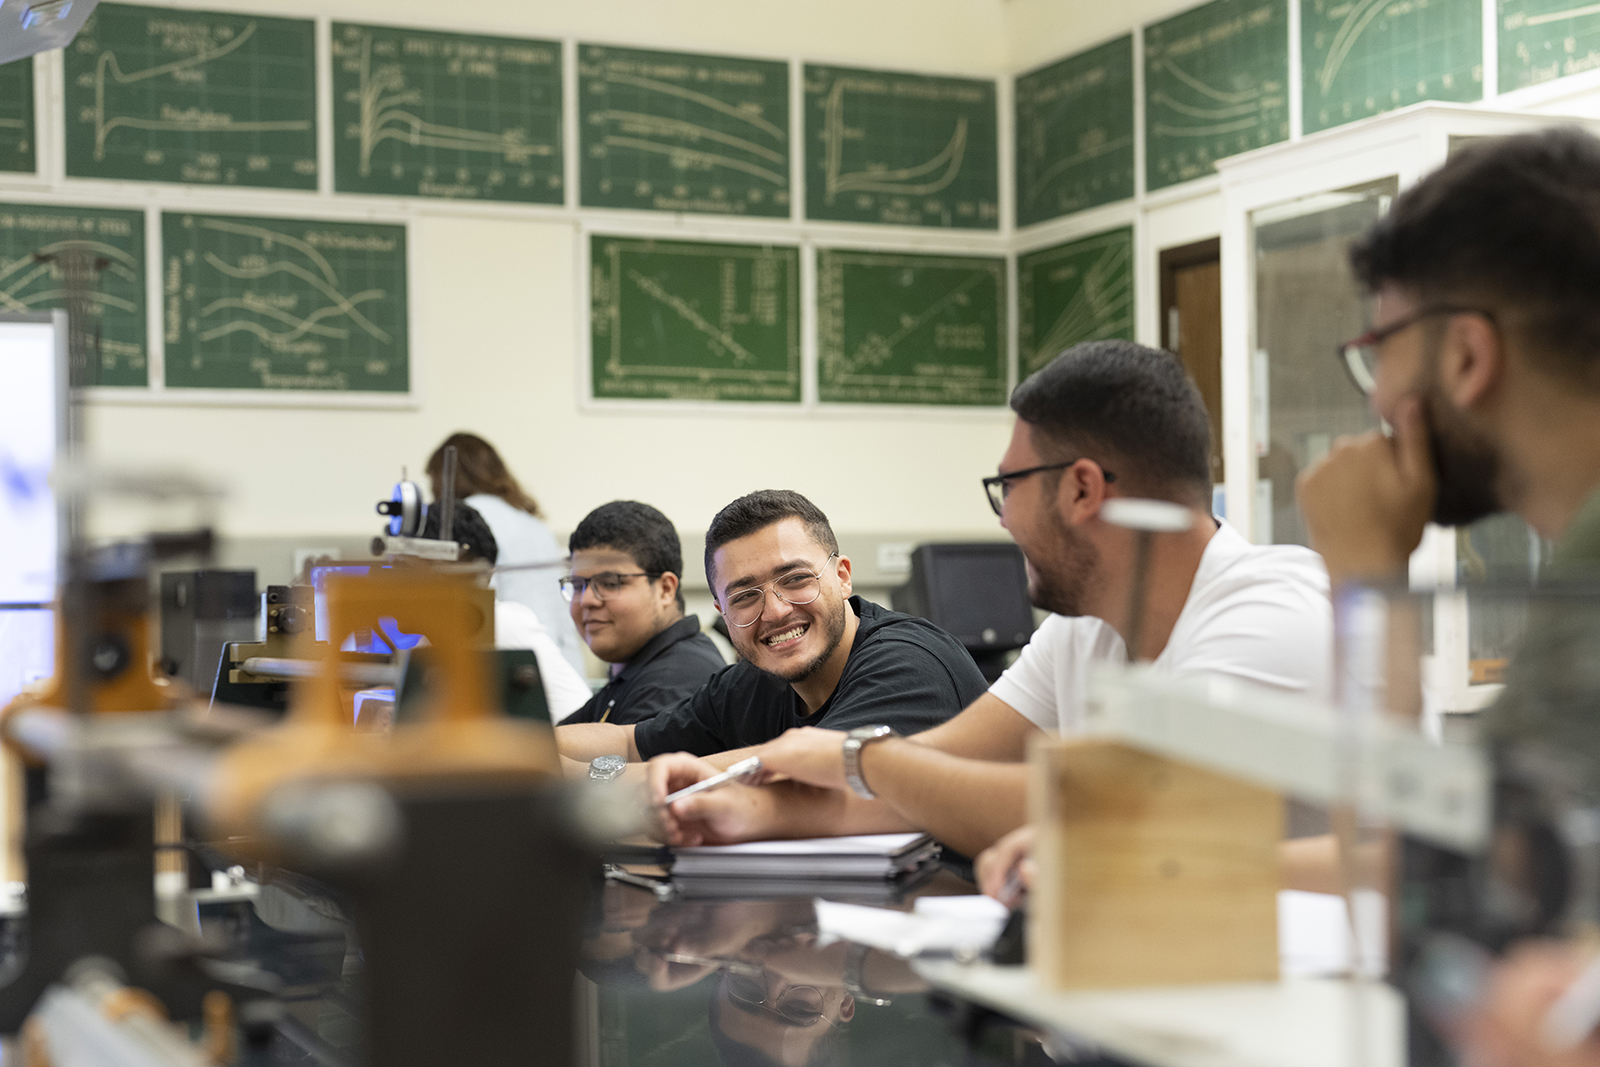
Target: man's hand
[1005,869]
[1366,503]
[806,754]
[1506,1031]
[720,816]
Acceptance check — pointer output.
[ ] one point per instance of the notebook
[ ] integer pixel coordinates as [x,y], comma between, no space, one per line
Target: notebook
[870,856]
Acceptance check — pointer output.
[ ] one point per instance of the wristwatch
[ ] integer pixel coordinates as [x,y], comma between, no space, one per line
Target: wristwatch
[606,768]
[853,743]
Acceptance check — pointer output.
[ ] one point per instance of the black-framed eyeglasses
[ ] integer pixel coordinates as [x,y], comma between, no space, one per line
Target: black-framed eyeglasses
[998,486]
[1360,354]
[797,588]
[605,583]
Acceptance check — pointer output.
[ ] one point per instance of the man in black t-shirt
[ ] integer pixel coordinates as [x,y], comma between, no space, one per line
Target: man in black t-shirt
[626,602]
[812,654]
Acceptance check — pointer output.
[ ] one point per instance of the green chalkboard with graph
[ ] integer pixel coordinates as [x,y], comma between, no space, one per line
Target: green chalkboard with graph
[1542,40]
[896,328]
[1078,291]
[1216,83]
[672,131]
[1075,133]
[16,116]
[417,113]
[34,241]
[206,97]
[1361,58]
[278,304]
[682,320]
[901,149]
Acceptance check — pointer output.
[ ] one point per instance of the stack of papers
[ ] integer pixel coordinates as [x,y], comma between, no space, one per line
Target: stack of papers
[877,857]
[967,925]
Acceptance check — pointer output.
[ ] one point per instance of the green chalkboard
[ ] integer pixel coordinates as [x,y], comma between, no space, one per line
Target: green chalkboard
[16,116]
[1216,83]
[269,303]
[445,114]
[171,95]
[1541,40]
[896,328]
[902,149]
[668,131]
[692,321]
[1364,57]
[116,238]
[1075,133]
[1078,291]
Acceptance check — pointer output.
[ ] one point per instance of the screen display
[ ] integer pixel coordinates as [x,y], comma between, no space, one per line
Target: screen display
[28,441]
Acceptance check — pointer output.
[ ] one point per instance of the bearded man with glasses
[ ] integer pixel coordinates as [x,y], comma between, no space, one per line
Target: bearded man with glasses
[1104,419]
[811,653]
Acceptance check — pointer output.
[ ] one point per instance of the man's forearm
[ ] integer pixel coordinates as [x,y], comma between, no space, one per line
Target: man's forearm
[583,741]
[797,810]
[968,804]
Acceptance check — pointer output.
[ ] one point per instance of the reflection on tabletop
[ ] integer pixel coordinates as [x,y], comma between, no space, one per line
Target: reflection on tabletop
[745,981]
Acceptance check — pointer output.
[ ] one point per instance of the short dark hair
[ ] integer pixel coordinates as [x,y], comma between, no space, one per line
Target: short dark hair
[467,528]
[637,529]
[760,509]
[1513,224]
[1130,408]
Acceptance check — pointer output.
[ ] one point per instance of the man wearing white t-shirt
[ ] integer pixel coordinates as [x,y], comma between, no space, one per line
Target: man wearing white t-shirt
[1105,419]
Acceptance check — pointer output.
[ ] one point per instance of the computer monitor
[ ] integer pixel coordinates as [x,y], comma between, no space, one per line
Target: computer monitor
[977,592]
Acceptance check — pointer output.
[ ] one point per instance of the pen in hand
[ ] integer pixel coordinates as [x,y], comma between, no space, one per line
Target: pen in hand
[739,772]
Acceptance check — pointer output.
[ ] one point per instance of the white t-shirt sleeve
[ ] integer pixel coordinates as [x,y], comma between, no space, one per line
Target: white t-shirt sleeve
[1278,636]
[518,626]
[1049,682]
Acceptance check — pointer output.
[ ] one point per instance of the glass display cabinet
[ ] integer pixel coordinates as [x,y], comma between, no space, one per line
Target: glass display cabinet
[1288,301]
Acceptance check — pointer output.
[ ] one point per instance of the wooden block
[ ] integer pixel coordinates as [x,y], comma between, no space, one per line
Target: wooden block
[1150,871]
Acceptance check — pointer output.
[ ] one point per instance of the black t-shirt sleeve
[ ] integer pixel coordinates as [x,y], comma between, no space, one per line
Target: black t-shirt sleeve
[902,685]
[694,725]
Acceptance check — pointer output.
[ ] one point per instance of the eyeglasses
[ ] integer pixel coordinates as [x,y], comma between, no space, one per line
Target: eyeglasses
[1360,354]
[605,583]
[798,1005]
[797,588]
[998,486]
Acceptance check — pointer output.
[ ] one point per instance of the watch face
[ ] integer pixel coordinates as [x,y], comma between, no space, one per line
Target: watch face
[607,766]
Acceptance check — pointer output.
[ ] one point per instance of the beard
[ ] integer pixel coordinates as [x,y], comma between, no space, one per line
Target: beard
[1465,464]
[1060,576]
[832,634]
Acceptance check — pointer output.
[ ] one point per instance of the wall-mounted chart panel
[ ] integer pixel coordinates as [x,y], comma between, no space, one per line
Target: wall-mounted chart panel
[1541,40]
[686,320]
[445,114]
[1216,83]
[669,131]
[1075,133]
[902,149]
[35,245]
[166,94]
[1078,291]
[16,116]
[275,304]
[895,328]
[1364,57]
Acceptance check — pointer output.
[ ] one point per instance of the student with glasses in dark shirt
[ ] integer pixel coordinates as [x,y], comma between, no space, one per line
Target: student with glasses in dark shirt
[811,653]
[625,597]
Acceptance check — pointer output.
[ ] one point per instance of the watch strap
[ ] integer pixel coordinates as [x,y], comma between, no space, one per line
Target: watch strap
[854,741]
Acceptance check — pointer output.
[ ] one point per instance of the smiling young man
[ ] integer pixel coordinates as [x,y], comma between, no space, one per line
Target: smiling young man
[1104,419]
[811,653]
[625,597]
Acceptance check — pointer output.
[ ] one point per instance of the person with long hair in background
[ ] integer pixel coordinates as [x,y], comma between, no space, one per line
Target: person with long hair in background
[484,481]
